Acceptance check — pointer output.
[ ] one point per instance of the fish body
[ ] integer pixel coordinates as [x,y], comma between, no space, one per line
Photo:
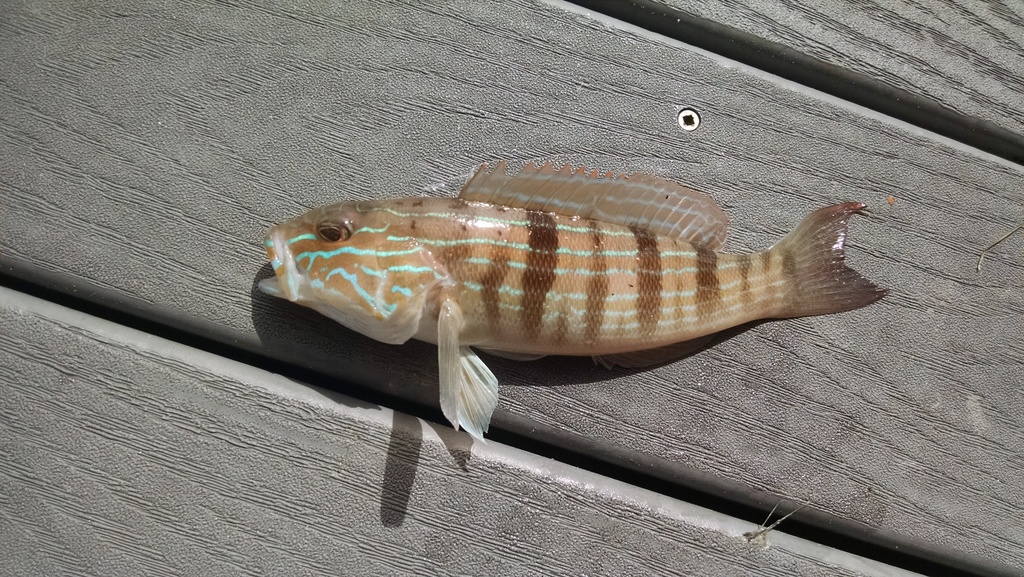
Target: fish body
[552,261]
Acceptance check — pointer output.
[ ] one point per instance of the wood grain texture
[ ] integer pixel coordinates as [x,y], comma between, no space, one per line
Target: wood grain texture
[144,150]
[966,55]
[127,454]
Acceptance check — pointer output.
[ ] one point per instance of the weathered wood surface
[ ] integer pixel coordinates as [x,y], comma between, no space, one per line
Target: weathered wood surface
[968,56]
[127,455]
[145,148]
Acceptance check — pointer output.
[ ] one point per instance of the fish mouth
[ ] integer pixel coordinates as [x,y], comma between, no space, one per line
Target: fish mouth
[289,277]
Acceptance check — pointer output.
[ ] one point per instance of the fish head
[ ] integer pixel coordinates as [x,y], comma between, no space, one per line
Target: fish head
[355,265]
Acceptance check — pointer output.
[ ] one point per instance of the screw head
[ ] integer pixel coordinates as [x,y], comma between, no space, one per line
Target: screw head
[688,119]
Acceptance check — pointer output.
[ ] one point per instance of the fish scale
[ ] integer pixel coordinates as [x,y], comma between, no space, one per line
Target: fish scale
[627,270]
[636,290]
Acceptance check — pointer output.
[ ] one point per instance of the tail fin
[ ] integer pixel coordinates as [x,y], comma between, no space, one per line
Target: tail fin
[812,259]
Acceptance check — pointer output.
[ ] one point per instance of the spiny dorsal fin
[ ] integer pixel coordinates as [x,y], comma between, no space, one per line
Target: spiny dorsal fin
[658,205]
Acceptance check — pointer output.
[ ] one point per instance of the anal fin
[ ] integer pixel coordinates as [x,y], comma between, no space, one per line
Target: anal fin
[513,356]
[469,390]
[657,356]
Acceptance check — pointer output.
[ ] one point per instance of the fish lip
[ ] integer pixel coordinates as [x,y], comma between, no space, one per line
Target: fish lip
[289,278]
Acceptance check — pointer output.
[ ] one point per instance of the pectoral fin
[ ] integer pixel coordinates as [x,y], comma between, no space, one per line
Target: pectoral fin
[469,391]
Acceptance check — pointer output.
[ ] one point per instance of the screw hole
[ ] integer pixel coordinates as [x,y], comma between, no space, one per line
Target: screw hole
[688,119]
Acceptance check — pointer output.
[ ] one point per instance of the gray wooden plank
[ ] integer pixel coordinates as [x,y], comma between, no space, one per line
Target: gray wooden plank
[143,152]
[126,454]
[968,56]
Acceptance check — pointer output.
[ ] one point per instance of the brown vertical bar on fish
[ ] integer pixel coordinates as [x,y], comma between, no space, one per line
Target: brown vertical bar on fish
[744,268]
[492,282]
[648,286]
[597,286]
[707,282]
[541,258]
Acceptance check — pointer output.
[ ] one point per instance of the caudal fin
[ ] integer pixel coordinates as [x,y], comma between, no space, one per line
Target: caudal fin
[813,257]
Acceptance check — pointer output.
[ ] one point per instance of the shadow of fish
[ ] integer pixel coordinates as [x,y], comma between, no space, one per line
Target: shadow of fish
[625,269]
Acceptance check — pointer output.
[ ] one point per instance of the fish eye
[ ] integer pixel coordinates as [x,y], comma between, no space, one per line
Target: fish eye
[334,231]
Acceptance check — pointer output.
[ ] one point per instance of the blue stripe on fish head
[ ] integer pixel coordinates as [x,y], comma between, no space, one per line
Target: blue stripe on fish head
[341,258]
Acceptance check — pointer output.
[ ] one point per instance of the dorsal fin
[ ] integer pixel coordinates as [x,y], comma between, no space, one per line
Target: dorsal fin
[658,205]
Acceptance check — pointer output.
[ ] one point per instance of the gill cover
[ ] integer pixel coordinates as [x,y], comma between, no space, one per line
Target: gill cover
[373,285]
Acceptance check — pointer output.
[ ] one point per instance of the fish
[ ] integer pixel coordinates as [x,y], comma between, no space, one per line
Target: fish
[625,268]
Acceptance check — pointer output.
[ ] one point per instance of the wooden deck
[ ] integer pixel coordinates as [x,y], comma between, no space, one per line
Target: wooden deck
[146,146]
[966,57]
